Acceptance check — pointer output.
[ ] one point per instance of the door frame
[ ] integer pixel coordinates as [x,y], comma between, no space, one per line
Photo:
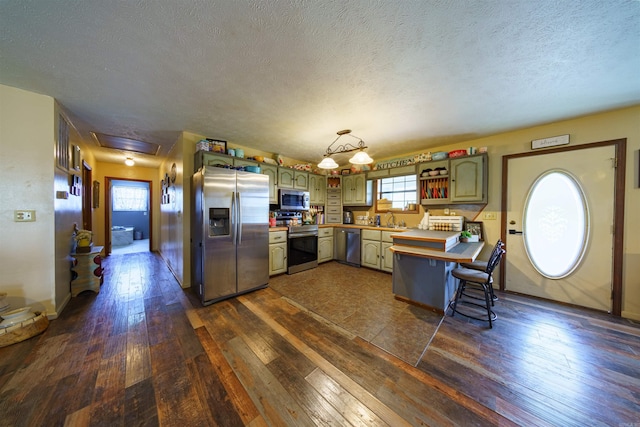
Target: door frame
[618,206]
[107,210]
[87,196]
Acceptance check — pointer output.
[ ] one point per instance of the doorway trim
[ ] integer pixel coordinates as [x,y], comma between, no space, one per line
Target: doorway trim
[87,196]
[618,206]
[107,210]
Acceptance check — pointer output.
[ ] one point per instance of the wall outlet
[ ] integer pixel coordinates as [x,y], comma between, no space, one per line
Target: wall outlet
[24,216]
[490,215]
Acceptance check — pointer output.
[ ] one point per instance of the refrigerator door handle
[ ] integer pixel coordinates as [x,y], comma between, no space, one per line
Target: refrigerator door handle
[239,217]
[234,223]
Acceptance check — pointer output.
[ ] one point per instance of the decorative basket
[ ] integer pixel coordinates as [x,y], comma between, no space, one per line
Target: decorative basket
[457,153]
[24,330]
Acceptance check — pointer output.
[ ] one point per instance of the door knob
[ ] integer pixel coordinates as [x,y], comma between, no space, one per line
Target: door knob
[512,231]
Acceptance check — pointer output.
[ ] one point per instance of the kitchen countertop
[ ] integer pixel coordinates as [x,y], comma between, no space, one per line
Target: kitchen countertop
[462,252]
[365,227]
[362,227]
[440,245]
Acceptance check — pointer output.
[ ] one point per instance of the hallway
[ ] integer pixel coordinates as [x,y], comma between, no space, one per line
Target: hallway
[144,352]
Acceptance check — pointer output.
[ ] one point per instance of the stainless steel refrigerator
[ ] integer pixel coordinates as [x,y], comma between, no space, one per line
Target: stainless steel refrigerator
[230,233]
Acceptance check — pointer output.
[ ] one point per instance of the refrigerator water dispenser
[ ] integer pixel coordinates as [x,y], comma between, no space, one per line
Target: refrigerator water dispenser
[219,221]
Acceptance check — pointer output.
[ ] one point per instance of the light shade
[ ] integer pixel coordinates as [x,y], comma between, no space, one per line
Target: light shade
[129,161]
[361,158]
[328,163]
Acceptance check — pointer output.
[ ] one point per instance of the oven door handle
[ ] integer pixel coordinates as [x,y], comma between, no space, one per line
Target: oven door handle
[294,236]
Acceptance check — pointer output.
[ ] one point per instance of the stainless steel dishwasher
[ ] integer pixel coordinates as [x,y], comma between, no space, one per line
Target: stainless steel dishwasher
[347,245]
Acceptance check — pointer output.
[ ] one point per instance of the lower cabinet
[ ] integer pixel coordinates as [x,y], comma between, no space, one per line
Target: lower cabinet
[277,252]
[375,249]
[386,263]
[325,244]
[370,251]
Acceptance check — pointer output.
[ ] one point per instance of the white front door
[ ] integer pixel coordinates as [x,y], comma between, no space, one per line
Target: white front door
[588,283]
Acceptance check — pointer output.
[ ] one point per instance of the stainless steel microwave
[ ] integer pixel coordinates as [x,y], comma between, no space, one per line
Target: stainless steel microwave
[293,200]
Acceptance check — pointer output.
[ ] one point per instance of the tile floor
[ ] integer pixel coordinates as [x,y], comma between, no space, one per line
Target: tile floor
[361,301]
[135,247]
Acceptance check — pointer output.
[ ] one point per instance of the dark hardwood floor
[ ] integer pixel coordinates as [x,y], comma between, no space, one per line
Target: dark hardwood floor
[144,352]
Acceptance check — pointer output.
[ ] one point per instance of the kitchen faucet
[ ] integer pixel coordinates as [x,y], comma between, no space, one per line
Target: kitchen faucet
[393,219]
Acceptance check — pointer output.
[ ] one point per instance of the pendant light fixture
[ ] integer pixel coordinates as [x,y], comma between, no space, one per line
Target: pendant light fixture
[360,158]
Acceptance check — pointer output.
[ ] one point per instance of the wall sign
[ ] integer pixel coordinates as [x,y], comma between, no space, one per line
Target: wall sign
[550,142]
[387,164]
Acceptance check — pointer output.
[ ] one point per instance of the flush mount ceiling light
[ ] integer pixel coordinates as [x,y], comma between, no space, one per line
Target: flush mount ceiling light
[129,161]
[360,158]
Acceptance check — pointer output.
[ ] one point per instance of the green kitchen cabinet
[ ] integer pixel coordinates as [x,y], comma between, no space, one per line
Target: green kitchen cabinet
[272,173]
[277,252]
[354,190]
[317,189]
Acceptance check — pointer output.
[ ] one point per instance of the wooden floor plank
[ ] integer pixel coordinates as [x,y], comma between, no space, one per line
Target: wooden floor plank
[272,400]
[294,381]
[240,399]
[178,404]
[212,394]
[140,407]
[351,408]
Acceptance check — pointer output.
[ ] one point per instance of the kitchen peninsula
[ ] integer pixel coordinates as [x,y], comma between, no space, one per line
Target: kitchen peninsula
[422,264]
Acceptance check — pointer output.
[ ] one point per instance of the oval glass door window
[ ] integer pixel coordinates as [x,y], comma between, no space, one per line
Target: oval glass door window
[555,224]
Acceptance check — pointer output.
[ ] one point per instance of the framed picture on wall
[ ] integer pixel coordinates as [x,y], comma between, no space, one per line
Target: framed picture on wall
[475,228]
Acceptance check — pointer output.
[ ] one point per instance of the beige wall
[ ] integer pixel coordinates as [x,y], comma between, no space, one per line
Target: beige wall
[27,262]
[34,256]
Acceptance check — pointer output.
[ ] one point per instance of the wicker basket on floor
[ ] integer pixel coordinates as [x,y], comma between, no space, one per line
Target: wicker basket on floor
[24,330]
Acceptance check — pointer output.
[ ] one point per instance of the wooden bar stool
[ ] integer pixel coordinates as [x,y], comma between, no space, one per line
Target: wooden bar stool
[475,280]
[482,266]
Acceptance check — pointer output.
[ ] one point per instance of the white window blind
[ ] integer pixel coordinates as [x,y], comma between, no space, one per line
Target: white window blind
[130,198]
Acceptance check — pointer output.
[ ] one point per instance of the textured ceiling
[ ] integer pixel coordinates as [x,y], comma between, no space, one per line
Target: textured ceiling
[285,76]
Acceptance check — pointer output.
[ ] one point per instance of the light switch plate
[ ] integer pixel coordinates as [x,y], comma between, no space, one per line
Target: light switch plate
[490,215]
[24,216]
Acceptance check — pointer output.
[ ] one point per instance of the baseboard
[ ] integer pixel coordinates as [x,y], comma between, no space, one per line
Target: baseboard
[60,309]
[166,262]
[630,315]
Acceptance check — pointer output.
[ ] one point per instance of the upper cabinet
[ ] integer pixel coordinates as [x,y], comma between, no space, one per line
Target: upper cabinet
[207,158]
[285,178]
[301,180]
[469,179]
[272,173]
[355,191]
[461,180]
[291,178]
[317,189]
